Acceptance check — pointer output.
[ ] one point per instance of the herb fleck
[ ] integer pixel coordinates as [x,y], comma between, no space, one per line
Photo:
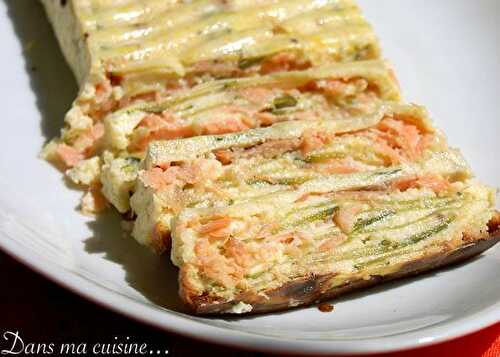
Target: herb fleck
[284,101]
[245,63]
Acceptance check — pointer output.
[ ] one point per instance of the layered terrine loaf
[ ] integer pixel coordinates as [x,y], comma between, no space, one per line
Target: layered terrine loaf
[264,146]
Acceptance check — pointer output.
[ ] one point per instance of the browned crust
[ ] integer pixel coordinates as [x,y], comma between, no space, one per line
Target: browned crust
[310,290]
[161,240]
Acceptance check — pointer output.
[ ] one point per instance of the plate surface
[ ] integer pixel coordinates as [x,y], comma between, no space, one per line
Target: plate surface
[446,54]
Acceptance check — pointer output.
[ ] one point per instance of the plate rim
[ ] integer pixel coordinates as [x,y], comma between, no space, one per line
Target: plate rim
[183,325]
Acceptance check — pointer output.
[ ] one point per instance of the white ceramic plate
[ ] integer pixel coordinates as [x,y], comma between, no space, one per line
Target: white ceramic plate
[447,56]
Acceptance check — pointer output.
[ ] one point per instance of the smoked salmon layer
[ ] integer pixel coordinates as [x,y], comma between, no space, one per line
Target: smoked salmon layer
[208,171]
[145,51]
[331,235]
[223,106]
